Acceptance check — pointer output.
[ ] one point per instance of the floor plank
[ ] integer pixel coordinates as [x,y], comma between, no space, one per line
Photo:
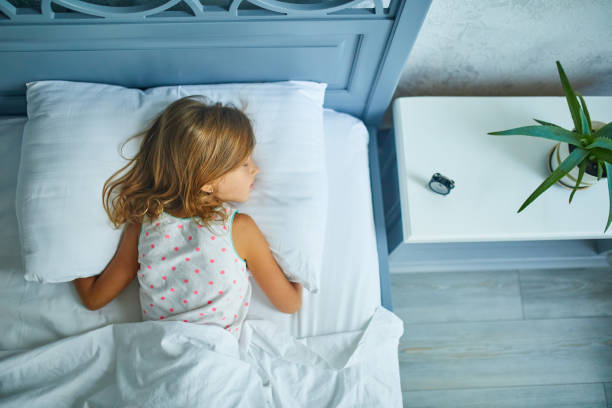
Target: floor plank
[452,296]
[551,396]
[506,353]
[567,293]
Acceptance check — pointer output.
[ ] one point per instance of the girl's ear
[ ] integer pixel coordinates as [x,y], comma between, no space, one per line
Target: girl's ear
[207,188]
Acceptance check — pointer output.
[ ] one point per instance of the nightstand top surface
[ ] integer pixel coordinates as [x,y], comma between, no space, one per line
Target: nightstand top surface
[493,175]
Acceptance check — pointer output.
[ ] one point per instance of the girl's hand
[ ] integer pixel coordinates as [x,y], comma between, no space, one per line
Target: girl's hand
[252,246]
[97,291]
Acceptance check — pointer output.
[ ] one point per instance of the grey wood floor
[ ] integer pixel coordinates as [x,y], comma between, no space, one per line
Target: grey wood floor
[528,338]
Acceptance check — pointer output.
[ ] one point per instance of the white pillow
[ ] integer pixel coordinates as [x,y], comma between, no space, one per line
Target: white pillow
[71,145]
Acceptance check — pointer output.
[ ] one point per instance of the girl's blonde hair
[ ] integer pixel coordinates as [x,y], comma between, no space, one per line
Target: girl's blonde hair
[189,144]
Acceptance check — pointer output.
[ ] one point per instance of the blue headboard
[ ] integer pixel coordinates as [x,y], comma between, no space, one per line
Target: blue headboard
[357,48]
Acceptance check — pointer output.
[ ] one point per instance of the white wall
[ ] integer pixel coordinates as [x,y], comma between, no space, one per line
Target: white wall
[509,47]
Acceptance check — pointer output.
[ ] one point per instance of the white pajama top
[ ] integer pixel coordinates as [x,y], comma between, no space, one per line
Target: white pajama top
[192,273]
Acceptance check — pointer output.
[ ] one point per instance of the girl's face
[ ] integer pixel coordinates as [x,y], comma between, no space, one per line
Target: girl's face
[235,185]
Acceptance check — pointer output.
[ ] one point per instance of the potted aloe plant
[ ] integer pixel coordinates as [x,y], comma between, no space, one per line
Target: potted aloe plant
[588,146]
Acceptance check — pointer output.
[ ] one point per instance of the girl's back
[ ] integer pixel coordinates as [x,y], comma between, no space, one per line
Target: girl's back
[192,273]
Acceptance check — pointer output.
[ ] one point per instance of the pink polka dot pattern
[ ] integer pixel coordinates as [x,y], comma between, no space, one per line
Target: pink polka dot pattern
[218,293]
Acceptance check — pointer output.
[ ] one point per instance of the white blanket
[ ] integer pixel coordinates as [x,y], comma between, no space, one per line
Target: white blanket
[168,364]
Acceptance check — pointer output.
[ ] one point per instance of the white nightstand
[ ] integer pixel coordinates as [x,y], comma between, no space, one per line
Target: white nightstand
[477,226]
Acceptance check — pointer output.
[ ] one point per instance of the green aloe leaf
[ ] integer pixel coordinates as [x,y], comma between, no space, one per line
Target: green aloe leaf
[605,131]
[572,101]
[566,166]
[584,108]
[541,122]
[586,125]
[545,131]
[602,154]
[609,174]
[599,170]
[602,142]
[581,169]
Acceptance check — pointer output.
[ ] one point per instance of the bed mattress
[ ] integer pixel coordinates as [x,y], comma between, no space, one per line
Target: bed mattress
[35,314]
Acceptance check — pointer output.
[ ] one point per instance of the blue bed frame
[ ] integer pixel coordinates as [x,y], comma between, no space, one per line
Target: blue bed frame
[358,51]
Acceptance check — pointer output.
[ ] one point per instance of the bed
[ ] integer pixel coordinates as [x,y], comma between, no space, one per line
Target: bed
[340,349]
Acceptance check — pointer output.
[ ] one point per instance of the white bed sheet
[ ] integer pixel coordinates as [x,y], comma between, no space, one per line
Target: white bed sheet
[35,314]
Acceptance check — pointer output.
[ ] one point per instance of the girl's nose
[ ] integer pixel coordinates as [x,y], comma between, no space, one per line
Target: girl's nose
[255,169]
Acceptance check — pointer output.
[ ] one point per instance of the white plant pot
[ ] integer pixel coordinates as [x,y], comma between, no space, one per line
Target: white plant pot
[559,153]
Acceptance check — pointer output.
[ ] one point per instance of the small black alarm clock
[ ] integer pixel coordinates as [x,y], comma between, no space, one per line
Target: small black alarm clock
[441,184]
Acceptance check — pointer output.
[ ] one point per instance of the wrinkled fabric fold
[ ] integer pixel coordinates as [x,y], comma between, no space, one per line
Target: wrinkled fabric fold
[165,364]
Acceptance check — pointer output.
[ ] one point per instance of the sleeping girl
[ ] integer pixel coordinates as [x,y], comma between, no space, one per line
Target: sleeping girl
[192,252]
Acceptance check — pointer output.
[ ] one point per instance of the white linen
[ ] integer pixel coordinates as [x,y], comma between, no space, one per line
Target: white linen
[174,364]
[71,146]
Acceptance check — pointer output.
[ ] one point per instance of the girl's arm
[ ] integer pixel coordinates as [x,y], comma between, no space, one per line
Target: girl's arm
[97,291]
[252,246]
